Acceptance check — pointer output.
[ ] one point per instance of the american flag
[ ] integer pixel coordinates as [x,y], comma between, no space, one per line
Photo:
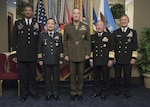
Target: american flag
[40,14]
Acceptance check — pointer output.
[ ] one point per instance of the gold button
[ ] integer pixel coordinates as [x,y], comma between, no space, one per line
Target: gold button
[101,55]
[96,50]
[119,46]
[28,29]
[126,47]
[29,42]
[96,54]
[126,42]
[101,50]
[119,52]
[28,33]
[125,52]
[28,37]
[96,46]
[76,42]
[120,42]
[101,46]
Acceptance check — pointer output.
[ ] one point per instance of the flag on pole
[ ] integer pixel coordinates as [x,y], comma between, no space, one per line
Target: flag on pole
[94,20]
[40,14]
[105,14]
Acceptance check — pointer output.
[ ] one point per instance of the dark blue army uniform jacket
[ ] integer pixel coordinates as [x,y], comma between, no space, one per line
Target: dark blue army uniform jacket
[125,45]
[25,38]
[50,49]
[102,48]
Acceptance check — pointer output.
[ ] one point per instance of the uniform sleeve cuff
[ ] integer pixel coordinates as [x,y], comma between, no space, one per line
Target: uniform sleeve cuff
[134,54]
[111,54]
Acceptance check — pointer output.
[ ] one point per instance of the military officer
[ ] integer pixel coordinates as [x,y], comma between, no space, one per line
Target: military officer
[102,56]
[50,54]
[125,55]
[24,50]
[77,49]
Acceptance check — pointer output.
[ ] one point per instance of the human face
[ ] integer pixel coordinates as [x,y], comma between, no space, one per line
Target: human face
[50,25]
[100,26]
[124,20]
[28,12]
[76,15]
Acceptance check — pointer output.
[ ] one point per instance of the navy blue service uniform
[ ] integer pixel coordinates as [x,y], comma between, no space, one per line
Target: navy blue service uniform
[24,48]
[102,52]
[50,51]
[125,49]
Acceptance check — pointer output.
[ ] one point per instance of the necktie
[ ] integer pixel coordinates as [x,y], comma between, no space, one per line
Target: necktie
[124,30]
[51,35]
[28,22]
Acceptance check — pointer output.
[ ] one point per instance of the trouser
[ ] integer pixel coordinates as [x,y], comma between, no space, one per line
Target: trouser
[27,73]
[51,79]
[101,79]
[76,77]
[127,68]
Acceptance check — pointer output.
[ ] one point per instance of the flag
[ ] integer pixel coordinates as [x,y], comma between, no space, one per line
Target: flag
[91,17]
[40,14]
[105,14]
[94,20]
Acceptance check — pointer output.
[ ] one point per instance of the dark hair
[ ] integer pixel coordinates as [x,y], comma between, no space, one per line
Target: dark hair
[124,16]
[50,19]
[28,6]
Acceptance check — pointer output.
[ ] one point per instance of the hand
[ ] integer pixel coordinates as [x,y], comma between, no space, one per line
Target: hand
[91,63]
[15,60]
[66,58]
[133,61]
[110,63]
[41,62]
[114,61]
[87,57]
[60,62]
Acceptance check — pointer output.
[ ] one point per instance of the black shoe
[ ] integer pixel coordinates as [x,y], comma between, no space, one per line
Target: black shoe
[80,98]
[23,99]
[72,97]
[94,95]
[36,97]
[56,98]
[48,97]
[116,95]
[103,98]
[128,97]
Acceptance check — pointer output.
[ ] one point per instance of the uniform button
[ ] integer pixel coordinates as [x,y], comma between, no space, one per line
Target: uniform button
[120,42]
[126,42]
[96,46]
[51,53]
[21,31]
[101,55]
[29,42]
[119,51]
[96,50]
[76,42]
[101,46]
[125,52]
[28,33]
[28,37]
[96,54]
[28,29]
[51,42]
[51,46]
[51,49]
[126,47]
[119,46]
[101,50]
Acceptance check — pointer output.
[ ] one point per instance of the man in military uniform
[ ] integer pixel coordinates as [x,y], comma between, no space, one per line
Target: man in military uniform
[24,50]
[77,48]
[102,56]
[50,55]
[125,55]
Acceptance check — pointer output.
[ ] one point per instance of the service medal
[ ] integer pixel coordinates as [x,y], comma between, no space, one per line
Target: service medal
[129,40]
[56,44]
[104,45]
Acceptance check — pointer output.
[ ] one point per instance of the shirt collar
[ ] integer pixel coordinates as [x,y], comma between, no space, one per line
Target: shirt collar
[124,29]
